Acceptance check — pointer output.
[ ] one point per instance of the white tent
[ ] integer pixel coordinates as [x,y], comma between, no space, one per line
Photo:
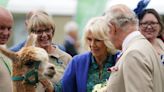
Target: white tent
[54,7]
[156,4]
[68,7]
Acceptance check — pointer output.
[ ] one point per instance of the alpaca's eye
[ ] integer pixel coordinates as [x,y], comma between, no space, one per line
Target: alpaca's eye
[32,63]
[29,64]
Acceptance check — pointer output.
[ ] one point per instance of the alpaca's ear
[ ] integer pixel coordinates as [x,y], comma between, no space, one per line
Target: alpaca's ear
[12,55]
[31,41]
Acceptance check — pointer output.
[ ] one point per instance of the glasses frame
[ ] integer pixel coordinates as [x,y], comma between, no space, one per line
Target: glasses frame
[41,31]
[146,24]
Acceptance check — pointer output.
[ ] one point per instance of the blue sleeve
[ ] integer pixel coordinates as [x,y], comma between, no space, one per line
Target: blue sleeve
[69,78]
[62,47]
[17,47]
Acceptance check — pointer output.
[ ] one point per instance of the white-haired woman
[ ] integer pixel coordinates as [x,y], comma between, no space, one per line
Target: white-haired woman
[90,68]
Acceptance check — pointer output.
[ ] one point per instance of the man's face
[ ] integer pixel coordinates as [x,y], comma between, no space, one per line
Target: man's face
[115,36]
[74,35]
[5,28]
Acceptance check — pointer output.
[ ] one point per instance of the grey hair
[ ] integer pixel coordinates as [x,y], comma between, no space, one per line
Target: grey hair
[121,15]
[71,26]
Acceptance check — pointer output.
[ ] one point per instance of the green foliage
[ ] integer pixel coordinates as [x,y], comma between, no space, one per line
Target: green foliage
[3,3]
[87,9]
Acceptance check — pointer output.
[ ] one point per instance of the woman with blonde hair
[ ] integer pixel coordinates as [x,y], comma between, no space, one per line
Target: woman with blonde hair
[90,68]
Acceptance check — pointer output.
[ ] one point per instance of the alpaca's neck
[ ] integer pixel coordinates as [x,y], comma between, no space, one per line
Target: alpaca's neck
[19,86]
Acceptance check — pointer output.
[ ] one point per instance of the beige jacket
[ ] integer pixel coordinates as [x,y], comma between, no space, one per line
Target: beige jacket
[5,74]
[139,69]
[60,59]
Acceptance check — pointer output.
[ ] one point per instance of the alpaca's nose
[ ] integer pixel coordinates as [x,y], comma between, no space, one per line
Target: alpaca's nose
[50,71]
[51,68]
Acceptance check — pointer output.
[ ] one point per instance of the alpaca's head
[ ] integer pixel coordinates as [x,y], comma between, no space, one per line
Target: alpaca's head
[35,57]
[30,62]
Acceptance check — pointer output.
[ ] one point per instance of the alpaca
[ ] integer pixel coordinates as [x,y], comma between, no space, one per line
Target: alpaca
[30,67]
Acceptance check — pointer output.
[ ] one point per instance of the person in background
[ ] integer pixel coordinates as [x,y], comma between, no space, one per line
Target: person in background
[6,23]
[71,44]
[139,68]
[161,35]
[90,68]
[43,26]
[18,46]
[151,26]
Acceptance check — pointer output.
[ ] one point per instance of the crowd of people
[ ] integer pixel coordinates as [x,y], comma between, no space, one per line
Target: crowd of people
[123,49]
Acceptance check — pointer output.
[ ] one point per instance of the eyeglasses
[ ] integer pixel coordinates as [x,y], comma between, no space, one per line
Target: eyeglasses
[146,24]
[40,31]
